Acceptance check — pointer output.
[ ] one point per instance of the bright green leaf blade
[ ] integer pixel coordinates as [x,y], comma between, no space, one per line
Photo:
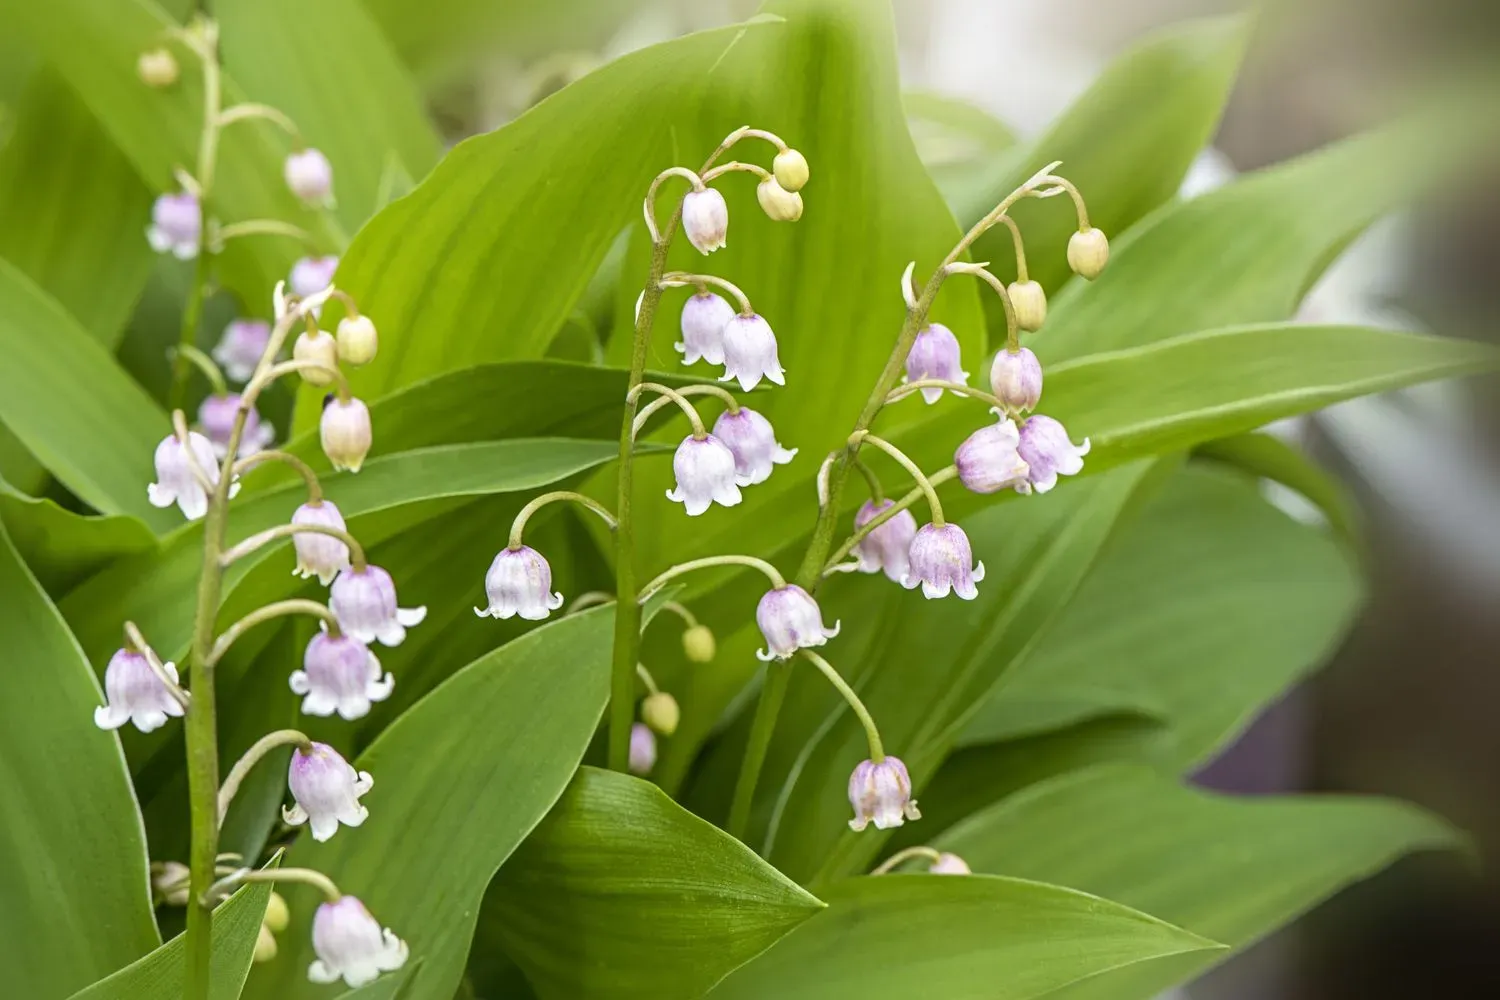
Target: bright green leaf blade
[1276,460]
[460,780]
[387,987]
[959,938]
[1233,869]
[73,406]
[61,547]
[960,144]
[622,893]
[72,849]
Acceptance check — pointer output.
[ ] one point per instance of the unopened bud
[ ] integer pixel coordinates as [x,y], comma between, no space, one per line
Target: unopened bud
[265,945]
[1017,378]
[790,168]
[357,340]
[277,915]
[157,68]
[345,433]
[170,880]
[1030,304]
[948,863]
[779,203]
[318,346]
[1088,252]
[642,749]
[660,712]
[698,644]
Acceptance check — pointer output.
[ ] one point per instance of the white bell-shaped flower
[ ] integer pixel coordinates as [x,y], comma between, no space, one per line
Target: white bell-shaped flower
[703,319]
[175,481]
[351,945]
[988,460]
[705,471]
[750,352]
[340,674]
[1049,453]
[364,602]
[326,789]
[886,549]
[880,793]
[319,555]
[940,562]
[790,620]
[136,694]
[705,219]
[519,582]
[753,440]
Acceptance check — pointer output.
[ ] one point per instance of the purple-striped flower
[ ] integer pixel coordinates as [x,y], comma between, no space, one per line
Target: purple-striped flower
[790,620]
[340,674]
[240,347]
[705,219]
[326,790]
[703,318]
[880,793]
[345,433]
[216,416]
[705,470]
[135,694]
[750,352]
[940,562]
[886,549]
[364,602]
[935,354]
[988,461]
[351,945]
[519,582]
[176,226]
[319,555]
[1048,453]
[752,439]
[1017,379]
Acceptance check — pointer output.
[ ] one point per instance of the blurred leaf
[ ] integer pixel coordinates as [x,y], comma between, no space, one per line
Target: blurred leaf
[72,851]
[960,144]
[460,780]
[61,547]
[1233,869]
[73,407]
[1272,458]
[387,987]
[961,938]
[330,68]
[620,892]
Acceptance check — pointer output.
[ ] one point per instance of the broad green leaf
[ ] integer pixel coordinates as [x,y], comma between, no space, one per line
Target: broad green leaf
[1275,460]
[960,144]
[387,987]
[72,850]
[1232,869]
[61,547]
[620,892]
[330,68]
[73,407]
[960,938]
[460,780]
[158,976]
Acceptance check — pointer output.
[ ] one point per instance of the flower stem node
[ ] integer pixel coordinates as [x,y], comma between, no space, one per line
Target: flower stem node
[519,582]
[750,352]
[364,602]
[135,694]
[216,415]
[157,68]
[326,789]
[752,439]
[277,915]
[240,347]
[779,204]
[1048,453]
[988,461]
[345,432]
[1016,379]
[340,674]
[705,219]
[357,340]
[948,863]
[175,481]
[934,354]
[705,470]
[660,712]
[887,548]
[790,168]
[176,226]
[880,792]
[941,562]
[318,347]
[319,555]
[790,620]
[351,945]
[1088,252]
[704,316]
[1029,301]
[698,644]
[642,749]
[311,275]
[309,175]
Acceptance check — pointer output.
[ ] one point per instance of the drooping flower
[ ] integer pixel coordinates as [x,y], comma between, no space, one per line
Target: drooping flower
[351,945]
[698,644]
[1088,252]
[988,461]
[779,204]
[1029,300]
[934,354]
[319,555]
[175,481]
[887,548]
[519,582]
[940,561]
[176,226]
[364,602]
[661,712]
[790,168]
[642,749]
[240,347]
[340,674]
[216,416]
[949,864]
[157,68]
[310,177]
[320,347]
[326,789]
[752,439]
[705,470]
[750,352]
[790,620]
[1017,379]
[880,793]
[1048,453]
[311,275]
[705,219]
[135,694]
[345,432]
[704,316]
[357,340]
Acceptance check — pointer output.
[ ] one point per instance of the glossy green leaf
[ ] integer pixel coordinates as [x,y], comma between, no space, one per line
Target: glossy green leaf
[960,144]
[974,938]
[1233,869]
[73,406]
[72,850]
[620,892]
[460,780]
[61,547]
[1284,464]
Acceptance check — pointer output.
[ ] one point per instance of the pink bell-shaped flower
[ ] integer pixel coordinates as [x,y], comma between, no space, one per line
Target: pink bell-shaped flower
[880,793]
[705,219]
[175,481]
[364,602]
[340,674]
[934,354]
[176,226]
[703,318]
[790,620]
[326,789]
[1048,453]
[750,352]
[753,440]
[519,583]
[216,416]
[886,549]
[705,470]
[136,694]
[988,461]
[1016,379]
[240,347]
[940,562]
[351,945]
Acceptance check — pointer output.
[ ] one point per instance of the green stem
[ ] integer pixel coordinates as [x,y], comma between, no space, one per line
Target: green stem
[891,863]
[937,478]
[708,562]
[306,876]
[256,541]
[872,735]
[519,524]
[278,609]
[915,470]
[253,756]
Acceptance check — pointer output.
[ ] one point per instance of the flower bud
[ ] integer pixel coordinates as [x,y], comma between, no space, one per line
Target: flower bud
[326,789]
[1048,453]
[752,439]
[265,945]
[1029,301]
[1016,379]
[277,915]
[1088,252]
[175,481]
[311,275]
[887,548]
[934,355]
[940,562]
[317,346]
[705,472]
[519,582]
[777,202]
[216,415]
[240,347]
[310,177]
[340,674]
[351,945]
[319,555]
[705,219]
[170,880]
[988,461]
[364,602]
[790,168]
[750,352]
[703,318]
[661,713]
[790,620]
[642,749]
[357,340]
[698,644]
[881,793]
[949,864]
[176,225]
[345,432]
[157,68]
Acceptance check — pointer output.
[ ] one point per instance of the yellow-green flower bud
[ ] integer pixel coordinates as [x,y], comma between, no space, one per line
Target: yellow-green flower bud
[698,644]
[157,68]
[779,203]
[1088,252]
[318,346]
[265,945]
[357,340]
[277,915]
[790,168]
[660,712]
[1030,303]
